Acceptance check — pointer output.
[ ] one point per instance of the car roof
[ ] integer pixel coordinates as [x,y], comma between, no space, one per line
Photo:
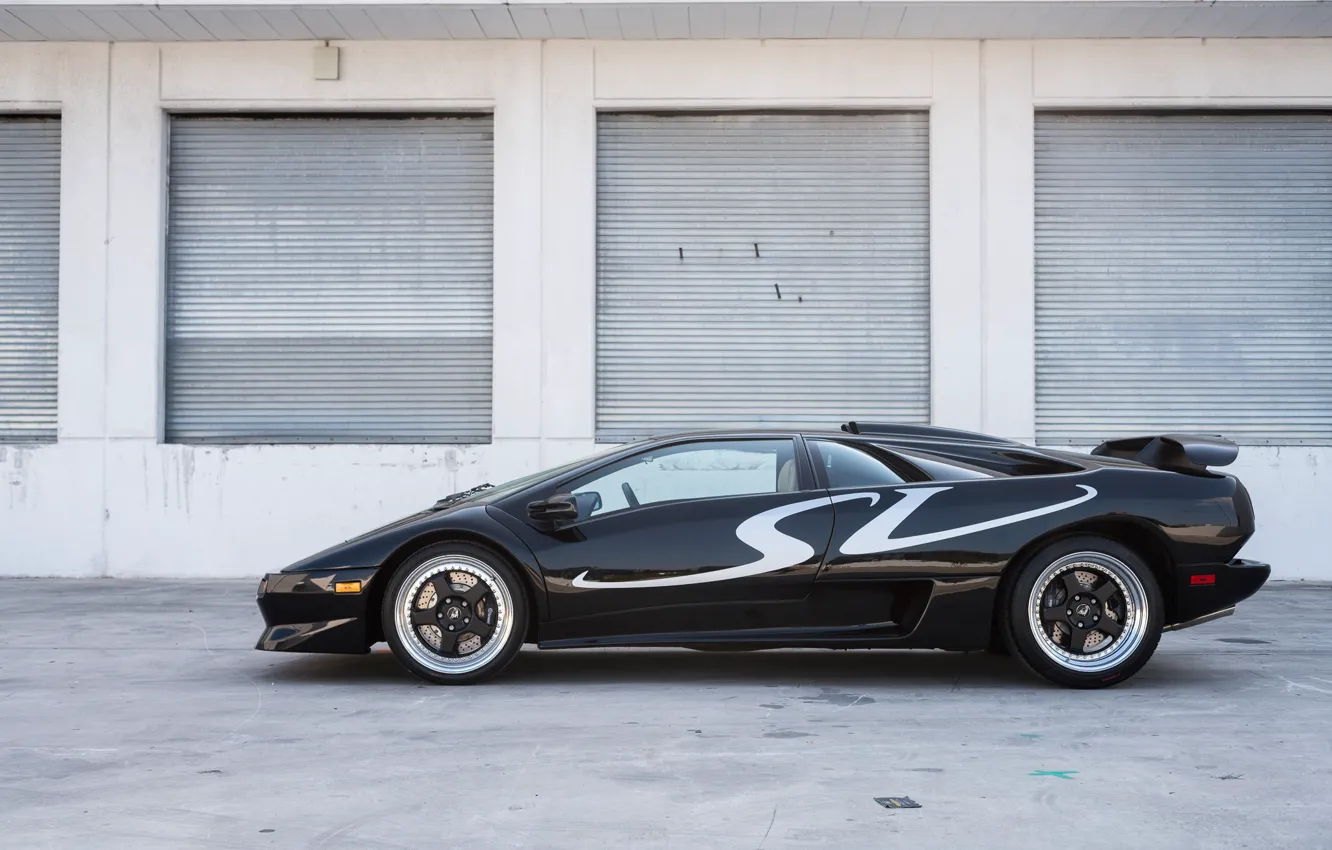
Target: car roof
[909,434]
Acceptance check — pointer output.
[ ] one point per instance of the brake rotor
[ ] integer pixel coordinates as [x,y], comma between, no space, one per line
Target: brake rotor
[431,635]
[461,581]
[427,598]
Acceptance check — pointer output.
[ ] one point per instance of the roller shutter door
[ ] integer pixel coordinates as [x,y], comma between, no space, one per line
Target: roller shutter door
[1184,276]
[761,269]
[29,277]
[329,279]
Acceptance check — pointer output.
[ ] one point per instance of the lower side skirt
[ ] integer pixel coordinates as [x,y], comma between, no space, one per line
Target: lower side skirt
[953,613]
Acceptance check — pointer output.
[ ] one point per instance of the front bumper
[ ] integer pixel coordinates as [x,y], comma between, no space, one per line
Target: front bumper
[1208,592]
[304,612]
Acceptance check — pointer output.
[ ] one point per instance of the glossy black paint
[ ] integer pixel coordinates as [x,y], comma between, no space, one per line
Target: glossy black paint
[305,614]
[287,602]
[934,593]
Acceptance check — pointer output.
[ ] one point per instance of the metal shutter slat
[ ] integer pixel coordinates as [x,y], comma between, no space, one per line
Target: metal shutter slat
[1184,276]
[330,280]
[690,329]
[29,277]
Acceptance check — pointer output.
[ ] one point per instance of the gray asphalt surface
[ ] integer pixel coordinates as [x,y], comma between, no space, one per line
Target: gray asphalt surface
[136,714]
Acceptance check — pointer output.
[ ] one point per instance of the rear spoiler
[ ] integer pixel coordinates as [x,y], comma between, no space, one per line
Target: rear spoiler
[1175,452]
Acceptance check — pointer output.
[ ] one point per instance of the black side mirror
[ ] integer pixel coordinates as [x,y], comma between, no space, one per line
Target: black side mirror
[562,507]
[589,502]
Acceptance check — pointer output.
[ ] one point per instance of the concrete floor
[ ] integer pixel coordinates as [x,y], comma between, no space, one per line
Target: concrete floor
[136,714]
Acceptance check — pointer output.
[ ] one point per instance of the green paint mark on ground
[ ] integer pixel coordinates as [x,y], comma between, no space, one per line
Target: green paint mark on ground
[1062,774]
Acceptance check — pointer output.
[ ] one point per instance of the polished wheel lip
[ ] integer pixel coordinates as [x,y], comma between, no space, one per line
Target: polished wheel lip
[418,649]
[1136,612]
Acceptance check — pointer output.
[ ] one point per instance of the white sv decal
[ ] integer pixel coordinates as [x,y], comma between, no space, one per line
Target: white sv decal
[877,534]
[781,551]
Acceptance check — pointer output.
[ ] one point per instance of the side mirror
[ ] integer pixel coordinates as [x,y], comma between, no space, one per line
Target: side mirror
[562,507]
[589,502]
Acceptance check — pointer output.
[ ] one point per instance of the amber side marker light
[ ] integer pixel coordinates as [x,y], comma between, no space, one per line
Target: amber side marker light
[347,587]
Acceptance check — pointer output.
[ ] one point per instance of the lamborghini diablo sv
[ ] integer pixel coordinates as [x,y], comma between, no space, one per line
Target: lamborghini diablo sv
[874,536]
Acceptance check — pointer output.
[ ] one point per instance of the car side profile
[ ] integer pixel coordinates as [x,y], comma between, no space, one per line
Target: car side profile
[873,536]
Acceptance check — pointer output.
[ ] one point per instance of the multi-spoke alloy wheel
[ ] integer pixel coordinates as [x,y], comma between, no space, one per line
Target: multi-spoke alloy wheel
[455,613]
[1084,612]
[1089,610]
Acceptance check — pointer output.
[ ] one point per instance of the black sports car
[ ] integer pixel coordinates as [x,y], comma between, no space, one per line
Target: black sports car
[874,536]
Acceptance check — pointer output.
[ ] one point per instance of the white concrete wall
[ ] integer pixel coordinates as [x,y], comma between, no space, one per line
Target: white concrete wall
[111,499]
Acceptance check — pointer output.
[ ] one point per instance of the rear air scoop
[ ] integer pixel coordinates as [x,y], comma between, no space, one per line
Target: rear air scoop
[1175,452]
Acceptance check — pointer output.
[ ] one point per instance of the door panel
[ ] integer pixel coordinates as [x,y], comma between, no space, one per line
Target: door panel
[680,566]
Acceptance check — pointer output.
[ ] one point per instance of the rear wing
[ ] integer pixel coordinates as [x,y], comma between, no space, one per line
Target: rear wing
[1175,452]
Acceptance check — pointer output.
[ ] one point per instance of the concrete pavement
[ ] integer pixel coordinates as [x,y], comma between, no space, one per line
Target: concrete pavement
[136,714]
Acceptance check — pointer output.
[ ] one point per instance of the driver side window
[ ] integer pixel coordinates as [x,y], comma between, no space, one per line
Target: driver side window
[702,470]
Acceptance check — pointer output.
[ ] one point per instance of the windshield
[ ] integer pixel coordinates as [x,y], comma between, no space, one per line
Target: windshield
[508,488]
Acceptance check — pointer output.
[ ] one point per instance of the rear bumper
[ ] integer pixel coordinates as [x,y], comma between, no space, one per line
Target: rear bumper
[1208,592]
[303,612]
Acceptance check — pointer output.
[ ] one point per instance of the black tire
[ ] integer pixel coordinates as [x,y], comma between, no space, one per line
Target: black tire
[1043,634]
[496,591]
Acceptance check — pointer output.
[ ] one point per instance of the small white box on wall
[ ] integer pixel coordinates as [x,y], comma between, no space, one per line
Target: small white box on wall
[326,61]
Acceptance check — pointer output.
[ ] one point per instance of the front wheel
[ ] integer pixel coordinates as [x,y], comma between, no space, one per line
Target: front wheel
[454,614]
[1085,612]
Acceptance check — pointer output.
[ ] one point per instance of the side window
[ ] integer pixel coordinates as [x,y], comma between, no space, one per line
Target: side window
[703,470]
[941,470]
[847,466]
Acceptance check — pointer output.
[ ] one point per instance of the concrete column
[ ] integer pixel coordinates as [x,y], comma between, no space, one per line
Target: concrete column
[955,237]
[135,258]
[568,251]
[135,308]
[1008,296]
[517,318]
[83,240]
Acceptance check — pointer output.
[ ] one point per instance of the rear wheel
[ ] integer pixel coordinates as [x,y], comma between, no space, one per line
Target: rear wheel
[1085,612]
[454,614]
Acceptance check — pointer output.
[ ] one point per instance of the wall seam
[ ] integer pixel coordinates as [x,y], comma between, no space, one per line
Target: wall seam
[983,168]
[596,261]
[163,212]
[541,258]
[106,320]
